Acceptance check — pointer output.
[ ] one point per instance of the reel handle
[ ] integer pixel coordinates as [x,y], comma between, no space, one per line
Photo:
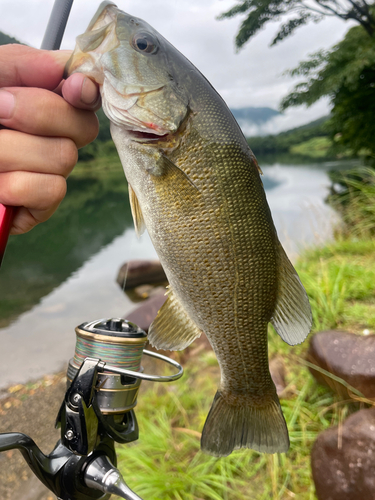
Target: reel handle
[62,471]
[34,457]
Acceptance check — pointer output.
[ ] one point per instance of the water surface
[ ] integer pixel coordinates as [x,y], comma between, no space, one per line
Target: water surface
[63,272]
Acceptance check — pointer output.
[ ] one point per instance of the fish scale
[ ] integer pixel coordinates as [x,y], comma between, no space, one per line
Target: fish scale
[227,344]
[194,184]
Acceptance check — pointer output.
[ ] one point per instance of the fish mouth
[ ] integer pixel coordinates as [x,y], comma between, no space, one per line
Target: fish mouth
[167,140]
[136,127]
[130,112]
[138,136]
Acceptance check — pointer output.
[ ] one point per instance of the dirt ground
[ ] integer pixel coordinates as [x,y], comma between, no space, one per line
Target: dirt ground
[31,409]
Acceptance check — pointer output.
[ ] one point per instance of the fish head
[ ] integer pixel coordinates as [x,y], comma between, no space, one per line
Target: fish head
[130,61]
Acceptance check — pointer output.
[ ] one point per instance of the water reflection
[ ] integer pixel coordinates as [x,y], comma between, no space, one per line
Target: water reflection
[94,212]
[297,202]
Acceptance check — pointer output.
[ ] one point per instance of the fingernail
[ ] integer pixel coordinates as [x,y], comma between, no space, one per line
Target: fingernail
[89,93]
[6,104]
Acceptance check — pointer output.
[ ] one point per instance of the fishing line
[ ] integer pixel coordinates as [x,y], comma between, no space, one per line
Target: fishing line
[125,277]
[117,348]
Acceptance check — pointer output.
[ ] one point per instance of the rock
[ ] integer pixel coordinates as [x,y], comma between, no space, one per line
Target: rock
[346,355]
[145,314]
[140,272]
[143,292]
[343,459]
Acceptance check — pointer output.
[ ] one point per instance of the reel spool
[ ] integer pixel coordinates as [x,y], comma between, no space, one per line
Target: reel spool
[120,343]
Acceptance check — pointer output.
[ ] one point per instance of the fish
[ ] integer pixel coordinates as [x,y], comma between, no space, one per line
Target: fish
[195,184]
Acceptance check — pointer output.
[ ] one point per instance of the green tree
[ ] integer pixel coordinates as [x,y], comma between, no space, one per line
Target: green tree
[346,75]
[299,12]
[5,39]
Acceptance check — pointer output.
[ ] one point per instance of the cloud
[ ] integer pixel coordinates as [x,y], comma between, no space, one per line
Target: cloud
[253,77]
[291,118]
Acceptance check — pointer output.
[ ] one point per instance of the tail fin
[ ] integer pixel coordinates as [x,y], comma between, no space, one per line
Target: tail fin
[229,427]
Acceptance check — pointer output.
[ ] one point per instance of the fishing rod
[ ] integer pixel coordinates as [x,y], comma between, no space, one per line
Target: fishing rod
[103,381]
[51,41]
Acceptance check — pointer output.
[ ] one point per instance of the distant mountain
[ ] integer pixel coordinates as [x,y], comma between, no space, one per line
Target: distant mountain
[254,115]
[5,39]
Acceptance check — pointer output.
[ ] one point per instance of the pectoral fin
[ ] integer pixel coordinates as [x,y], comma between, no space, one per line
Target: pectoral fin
[292,317]
[139,222]
[172,329]
[170,168]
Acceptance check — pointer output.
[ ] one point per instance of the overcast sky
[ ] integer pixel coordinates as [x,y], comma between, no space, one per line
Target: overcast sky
[252,77]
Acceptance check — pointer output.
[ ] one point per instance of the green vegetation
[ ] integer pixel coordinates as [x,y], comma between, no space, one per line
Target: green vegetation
[5,39]
[166,462]
[94,212]
[310,141]
[316,147]
[355,200]
[103,146]
[346,75]
[297,13]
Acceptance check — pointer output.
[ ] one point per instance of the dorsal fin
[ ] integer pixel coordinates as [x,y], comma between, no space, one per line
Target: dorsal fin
[292,317]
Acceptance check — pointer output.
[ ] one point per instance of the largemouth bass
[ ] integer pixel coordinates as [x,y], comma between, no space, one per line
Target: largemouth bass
[194,184]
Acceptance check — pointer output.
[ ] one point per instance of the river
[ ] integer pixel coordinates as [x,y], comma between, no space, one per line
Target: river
[63,272]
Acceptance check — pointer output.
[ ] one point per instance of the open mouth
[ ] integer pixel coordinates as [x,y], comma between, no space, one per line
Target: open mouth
[147,136]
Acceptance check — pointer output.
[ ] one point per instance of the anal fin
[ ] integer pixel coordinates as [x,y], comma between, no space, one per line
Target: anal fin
[292,318]
[172,329]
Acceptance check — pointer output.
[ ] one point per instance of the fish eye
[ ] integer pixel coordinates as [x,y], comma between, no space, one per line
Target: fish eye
[146,43]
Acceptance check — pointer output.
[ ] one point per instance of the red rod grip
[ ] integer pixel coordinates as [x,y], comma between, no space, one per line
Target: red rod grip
[6,219]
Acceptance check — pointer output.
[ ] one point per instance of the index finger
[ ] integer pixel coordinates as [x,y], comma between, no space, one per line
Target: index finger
[22,66]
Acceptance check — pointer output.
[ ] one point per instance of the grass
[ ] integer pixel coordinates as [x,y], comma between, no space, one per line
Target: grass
[167,464]
[317,147]
[357,202]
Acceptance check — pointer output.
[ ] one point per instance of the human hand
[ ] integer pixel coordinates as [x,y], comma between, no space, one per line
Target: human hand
[43,130]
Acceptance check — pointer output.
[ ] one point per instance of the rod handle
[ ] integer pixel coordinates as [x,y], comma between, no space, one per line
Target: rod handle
[6,219]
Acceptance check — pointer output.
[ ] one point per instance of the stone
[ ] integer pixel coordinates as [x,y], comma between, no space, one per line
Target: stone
[144,314]
[343,459]
[140,272]
[346,355]
[143,292]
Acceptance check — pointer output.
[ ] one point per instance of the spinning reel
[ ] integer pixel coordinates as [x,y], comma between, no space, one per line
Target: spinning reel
[103,380]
